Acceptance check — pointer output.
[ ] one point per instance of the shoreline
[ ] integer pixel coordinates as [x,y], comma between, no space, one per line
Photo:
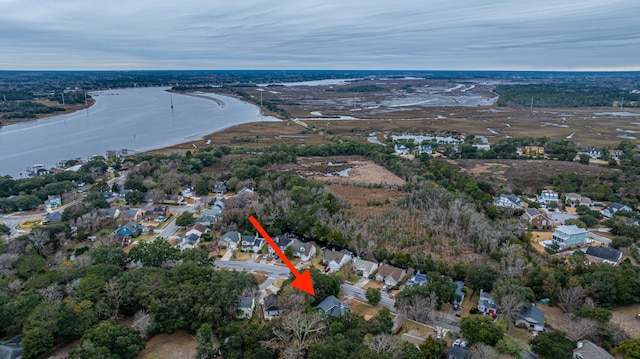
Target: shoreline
[72,109]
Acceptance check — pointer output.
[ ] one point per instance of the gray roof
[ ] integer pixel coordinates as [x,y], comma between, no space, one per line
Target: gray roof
[233,236]
[245,302]
[588,350]
[271,302]
[532,212]
[513,198]
[191,239]
[459,285]
[330,255]
[532,315]
[618,206]
[572,229]
[11,349]
[331,305]
[282,241]
[457,352]
[606,253]
[359,263]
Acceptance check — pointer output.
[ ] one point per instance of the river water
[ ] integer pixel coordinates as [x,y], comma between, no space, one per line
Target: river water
[135,118]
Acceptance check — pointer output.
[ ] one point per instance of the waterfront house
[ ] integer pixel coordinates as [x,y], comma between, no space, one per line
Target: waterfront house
[567,236]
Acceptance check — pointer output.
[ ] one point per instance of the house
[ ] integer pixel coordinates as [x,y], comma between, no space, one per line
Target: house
[567,236]
[401,149]
[245,307]
[390,275]
[363,267]
[595,154]
[132,214]
[613,208]
[601,254]
[245,191]
[548,196]
[335,260]
[158,211]
[616,154]
[197,229]
[332,306]
[458,298]
[172,199]
[230,240]
[271,306]
[187,191]
[418,279]
[508,201]
[110,213]
[214,211]
[282,242]
[458,352]
[52,217]
[572,199]
[305,251]
[206,221]
[587,350]
[586,201]
[486,304]
[531,317]
[220,188]
[251,243]
[53,201]
[131,229]
[188,241]
[426,149]
[11,349]
[533,150]
[537,219]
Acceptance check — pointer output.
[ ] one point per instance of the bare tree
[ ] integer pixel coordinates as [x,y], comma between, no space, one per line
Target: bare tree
[8,260]
[52,295]
[485,351]
[577,328]
[511,306]
[295,332]
[71,289]
[14,286]
[83,261]
[571,299]
[384,344]
[142,321]
[418,308]
[39,238]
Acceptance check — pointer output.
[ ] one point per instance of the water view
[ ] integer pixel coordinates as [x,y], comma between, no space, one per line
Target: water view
[136,119]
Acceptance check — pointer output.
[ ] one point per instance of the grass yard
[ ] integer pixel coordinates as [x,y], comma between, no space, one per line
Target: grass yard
[241,256]
[362,308]
[178,345]
[626,318]
[28,224]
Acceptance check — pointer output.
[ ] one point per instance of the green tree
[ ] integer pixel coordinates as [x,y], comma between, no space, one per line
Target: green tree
[628,349]
[511,346]
[433,348]
[4,229]
[481,329]
[30,265]
[108,255]
[134,196]
[373,296]
[204,339]
[201,188]
[121,342]
[185,219]
[196,255]
[36,341]
[153,253]
[552,345]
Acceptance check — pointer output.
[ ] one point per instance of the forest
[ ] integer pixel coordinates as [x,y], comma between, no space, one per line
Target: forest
[560,95]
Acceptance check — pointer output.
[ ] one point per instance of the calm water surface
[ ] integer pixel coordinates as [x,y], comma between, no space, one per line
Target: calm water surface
[136,119]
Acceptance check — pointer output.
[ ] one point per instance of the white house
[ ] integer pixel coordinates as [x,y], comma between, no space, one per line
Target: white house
[548,196]
[363,267]
[508,201]
[188,241]
[613,208]
[304,251]
[335,260]
[486,304]
[230,240]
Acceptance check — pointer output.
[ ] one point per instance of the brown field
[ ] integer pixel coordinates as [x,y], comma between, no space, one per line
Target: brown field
[178,345]
[366,202]
[626,318]
[526,175]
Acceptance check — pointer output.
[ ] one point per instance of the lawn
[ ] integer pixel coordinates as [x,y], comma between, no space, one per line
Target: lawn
[241,256]
[170,346]
[362,308]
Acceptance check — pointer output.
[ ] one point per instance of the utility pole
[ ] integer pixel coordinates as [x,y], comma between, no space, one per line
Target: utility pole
[63,99]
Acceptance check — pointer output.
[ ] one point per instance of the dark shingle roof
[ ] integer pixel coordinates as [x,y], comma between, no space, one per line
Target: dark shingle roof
[456,352]
[606,253]
[533,315]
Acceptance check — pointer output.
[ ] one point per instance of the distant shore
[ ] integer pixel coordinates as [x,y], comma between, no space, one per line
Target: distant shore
[67,109]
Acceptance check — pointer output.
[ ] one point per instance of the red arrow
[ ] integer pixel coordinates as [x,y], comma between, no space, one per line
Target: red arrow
[303,281]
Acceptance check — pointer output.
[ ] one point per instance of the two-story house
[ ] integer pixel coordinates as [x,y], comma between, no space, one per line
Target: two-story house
[567,236]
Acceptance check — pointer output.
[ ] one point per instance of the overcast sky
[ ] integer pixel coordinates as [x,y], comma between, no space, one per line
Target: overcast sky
[320,34]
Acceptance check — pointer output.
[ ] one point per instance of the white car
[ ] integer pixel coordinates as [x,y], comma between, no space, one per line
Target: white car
[457,342]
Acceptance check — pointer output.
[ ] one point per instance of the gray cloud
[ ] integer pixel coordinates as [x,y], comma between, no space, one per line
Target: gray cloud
[313,34]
